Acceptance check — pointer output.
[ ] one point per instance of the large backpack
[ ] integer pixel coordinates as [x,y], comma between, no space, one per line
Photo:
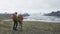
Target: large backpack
[13,16]
[20,18]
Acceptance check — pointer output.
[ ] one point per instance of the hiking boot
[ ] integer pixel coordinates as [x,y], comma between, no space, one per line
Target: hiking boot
[15,29]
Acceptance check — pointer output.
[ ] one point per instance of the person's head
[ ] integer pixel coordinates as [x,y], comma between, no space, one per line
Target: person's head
[15,12]
[20,14]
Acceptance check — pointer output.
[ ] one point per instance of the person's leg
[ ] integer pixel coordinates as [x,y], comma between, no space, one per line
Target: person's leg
[21,26]
[20,23]
[15,25]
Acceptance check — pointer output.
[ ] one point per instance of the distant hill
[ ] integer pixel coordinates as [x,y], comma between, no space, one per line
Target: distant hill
[53,14]
[8,16]
[26,14]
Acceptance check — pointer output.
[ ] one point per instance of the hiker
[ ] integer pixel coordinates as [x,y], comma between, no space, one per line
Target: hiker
[14,17]
[20,20]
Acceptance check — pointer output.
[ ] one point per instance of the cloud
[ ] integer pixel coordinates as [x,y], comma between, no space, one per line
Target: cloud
[29,5]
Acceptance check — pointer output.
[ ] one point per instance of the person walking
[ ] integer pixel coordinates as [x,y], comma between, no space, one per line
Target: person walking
[20,20]
[14,17]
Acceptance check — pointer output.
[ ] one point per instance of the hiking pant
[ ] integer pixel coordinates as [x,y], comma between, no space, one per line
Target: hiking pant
[15,24]
[20,24]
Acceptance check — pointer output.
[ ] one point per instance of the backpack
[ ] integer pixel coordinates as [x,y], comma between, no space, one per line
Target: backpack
[20,18]
[13,16]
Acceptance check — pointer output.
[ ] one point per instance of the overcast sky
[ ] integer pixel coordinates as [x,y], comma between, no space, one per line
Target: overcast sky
[30,6]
